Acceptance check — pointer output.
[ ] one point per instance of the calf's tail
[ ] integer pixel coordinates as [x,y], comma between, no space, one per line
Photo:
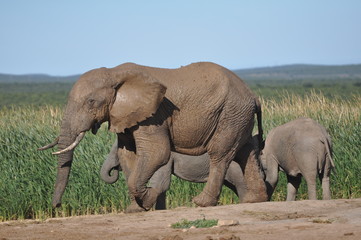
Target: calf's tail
[259,122]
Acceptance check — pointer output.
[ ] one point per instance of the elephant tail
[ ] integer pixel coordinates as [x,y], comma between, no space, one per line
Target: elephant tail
[259,122]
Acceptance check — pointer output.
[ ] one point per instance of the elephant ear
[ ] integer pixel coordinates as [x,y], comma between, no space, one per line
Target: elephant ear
[137,99]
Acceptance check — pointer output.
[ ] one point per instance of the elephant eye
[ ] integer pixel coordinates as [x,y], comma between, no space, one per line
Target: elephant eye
[91,102]
[95,103]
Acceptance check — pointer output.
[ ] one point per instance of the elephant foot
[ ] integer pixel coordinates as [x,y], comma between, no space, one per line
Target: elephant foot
[149,198]
[254,195]
[253,198]
[134,208]
[205,200]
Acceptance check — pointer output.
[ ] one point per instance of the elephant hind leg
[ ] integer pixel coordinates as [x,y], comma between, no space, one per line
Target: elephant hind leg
[307,164]
[271,175]
[217,170]
[326,193]
[293,184]
[231,132]
[221,150]
[325,180]
[311,186]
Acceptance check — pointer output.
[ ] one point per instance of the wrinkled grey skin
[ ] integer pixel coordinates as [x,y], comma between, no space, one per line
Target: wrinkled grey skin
[244,175]
[301,147]
[196,109]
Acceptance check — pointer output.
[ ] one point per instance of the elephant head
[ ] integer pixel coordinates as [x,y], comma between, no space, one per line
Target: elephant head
[122,96]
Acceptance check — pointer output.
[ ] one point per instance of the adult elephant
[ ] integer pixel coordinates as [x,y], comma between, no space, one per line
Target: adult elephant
[195,109]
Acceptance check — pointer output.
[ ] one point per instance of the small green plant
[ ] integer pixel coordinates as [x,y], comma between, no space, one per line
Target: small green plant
[199,223]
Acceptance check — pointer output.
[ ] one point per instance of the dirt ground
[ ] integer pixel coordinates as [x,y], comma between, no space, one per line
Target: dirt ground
[334,219]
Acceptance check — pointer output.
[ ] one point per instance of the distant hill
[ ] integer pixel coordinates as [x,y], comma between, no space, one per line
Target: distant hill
[282,73]
[302,72]
[36,78]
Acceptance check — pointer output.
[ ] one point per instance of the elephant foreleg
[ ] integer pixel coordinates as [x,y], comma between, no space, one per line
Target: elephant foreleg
[133,206]
[153,151]
[127,160]
[160,181]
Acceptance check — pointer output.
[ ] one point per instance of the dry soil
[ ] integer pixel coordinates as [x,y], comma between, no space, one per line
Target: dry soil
[333,219]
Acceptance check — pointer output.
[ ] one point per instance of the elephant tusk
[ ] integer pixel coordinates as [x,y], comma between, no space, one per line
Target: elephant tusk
[49,145]
[71,146]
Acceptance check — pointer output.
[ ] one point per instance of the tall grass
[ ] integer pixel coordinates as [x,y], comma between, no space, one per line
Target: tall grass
[27,176]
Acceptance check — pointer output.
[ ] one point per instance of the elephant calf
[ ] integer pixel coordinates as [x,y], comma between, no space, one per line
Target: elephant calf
[299,148]
[244,175]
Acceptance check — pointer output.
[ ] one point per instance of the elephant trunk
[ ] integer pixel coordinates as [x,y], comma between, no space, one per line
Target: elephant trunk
[64,166]
[109,173]
[111,164]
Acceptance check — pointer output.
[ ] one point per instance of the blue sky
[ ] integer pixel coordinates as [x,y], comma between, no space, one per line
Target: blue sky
[73,36]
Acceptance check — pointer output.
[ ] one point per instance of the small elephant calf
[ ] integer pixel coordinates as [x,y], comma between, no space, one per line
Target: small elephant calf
[244,175]
[301,147]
